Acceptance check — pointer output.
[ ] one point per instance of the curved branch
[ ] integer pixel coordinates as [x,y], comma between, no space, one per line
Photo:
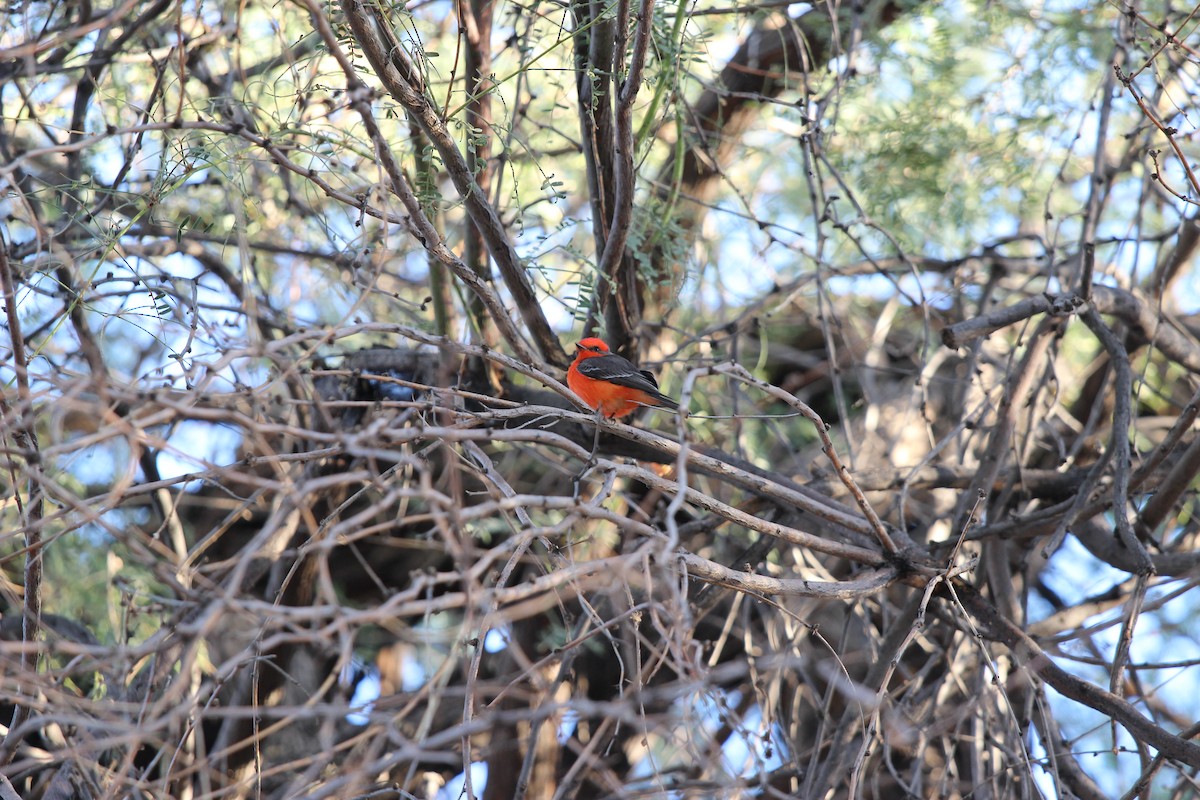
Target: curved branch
[1119,438]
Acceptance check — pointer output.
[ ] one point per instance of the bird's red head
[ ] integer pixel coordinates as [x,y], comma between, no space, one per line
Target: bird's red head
[592,344]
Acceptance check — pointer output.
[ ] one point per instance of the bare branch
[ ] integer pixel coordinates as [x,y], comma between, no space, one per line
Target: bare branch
[402,81]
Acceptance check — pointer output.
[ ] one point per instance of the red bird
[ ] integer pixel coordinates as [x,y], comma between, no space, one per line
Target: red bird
[611,384]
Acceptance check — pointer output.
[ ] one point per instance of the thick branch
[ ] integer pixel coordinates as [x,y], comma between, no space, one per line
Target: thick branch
[621,282]
[1153,325]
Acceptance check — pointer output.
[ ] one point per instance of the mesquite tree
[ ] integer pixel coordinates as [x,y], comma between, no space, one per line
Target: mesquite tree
[297,504]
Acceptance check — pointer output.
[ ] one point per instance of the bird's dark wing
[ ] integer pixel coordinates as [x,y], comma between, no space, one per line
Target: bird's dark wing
[618,370]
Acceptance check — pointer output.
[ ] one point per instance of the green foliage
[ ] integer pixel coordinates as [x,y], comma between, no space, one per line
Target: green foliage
[954,126]
[657,230]
[101,584]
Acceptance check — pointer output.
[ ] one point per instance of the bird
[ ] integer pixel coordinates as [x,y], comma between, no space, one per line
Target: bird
[611,384]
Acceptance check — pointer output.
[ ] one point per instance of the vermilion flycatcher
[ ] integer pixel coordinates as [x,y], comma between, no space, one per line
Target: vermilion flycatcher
[611,384]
